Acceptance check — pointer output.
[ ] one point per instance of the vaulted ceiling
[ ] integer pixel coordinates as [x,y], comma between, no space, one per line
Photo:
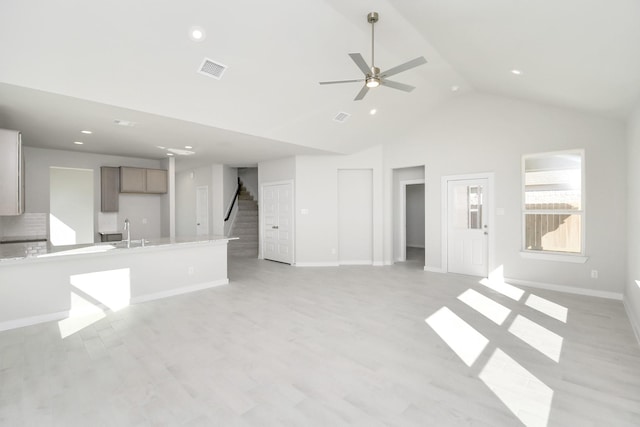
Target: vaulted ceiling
[74,65]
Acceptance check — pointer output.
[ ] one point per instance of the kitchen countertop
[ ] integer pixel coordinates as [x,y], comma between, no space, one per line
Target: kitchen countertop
[40,250]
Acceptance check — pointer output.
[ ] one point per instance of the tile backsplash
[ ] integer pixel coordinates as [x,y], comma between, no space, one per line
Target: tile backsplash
[27,225]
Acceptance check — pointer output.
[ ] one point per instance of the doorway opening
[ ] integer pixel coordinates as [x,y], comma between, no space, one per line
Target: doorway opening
[71,219]
[409,216]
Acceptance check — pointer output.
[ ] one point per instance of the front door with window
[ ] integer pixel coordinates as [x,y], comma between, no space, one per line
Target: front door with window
[467,242]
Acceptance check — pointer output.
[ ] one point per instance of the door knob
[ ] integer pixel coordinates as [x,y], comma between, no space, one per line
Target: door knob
[486,234]
[274,226]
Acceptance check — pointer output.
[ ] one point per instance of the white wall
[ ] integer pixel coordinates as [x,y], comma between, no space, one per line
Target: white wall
[415,215]
[136,207]
[316,190]
[479,133]
[632,288]
[355,216]
[276,170]
[219,179]
[186,183]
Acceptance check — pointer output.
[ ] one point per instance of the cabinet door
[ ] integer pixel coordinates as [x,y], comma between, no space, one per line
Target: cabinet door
[156,181]
[133,180]
[109,188]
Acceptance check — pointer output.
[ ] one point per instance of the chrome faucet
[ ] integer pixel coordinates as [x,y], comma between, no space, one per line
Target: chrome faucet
[127,228]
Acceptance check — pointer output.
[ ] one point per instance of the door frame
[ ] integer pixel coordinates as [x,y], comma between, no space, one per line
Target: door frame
[402,223]
[293,218]
[444,201]
[206,191]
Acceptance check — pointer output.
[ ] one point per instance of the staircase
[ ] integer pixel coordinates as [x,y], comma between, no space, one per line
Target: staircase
[245,227]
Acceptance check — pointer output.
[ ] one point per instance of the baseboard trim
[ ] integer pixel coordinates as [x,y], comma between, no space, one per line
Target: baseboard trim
[633,319]
[33,320]
[179,291]
[316,264]
[378,263]
[566,289]
[433,269]
[356,262]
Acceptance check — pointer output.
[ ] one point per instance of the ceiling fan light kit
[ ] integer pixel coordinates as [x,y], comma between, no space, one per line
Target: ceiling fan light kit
[372,75]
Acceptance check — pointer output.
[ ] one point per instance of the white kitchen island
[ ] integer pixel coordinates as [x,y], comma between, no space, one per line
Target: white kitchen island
[40,283]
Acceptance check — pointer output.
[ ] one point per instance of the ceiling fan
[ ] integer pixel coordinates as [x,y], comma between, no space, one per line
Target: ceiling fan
[372,75]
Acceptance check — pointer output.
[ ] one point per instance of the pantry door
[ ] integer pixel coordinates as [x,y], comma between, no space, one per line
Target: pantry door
[277,222]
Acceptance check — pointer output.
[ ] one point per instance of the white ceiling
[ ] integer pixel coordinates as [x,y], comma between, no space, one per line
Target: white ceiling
[67,66]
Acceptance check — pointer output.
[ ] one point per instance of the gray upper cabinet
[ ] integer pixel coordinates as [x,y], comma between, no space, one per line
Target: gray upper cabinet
[109,188]
[133,180]
[141,180]
[156,181]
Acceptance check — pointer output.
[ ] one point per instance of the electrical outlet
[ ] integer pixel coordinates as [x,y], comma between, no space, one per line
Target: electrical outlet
[333,251]
[594,274]
[191,270]
[144,220]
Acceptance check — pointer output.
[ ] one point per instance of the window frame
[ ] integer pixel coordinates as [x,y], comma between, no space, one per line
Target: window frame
[577,257]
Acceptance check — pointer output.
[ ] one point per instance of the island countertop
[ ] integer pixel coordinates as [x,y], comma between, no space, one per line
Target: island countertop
[41,250]
[45,285]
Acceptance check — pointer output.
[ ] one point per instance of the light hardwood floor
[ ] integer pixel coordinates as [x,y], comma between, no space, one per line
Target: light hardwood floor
[366,346]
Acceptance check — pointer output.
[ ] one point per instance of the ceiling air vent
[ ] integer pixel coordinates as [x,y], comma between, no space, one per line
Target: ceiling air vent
[341,117]
[212,69]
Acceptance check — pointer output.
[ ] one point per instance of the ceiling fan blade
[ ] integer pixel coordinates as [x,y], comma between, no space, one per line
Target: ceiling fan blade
[362,93]
[361,63]
[341,81]
[404,67]
[396,85]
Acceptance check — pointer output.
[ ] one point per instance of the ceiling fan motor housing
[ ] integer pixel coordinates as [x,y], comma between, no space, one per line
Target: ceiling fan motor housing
[372,17]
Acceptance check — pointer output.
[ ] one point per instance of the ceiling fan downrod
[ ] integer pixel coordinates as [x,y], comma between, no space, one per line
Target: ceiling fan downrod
[373,80]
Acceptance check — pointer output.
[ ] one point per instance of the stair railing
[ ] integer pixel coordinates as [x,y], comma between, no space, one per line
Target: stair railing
[226,218]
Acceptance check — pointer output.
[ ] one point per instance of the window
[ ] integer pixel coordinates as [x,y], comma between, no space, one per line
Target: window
[553,211]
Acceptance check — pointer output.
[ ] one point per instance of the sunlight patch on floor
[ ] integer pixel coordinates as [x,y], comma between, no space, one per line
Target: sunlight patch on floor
[93,294]
[461,337]
[504,288]
[538,337]
[490,309]
[522,392]
[547,307]
[82,314]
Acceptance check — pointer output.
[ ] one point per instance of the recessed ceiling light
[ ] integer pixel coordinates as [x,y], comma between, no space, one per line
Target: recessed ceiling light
[188,147]
[169,154]
[78,142]
[197,33]
[516,72]
[87,132]
[455,88]
[373,111]
[124,123]
[160,147]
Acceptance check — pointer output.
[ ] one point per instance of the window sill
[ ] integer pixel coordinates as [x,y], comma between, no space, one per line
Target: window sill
[577,259]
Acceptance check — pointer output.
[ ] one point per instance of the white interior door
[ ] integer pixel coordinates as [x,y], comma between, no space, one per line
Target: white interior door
[202,210]
[467,242]
[277,212]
